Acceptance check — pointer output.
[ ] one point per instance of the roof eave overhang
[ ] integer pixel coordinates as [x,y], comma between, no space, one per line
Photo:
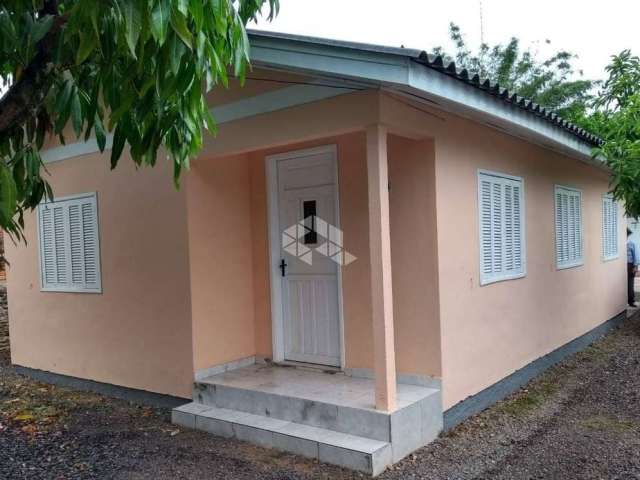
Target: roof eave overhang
[397,69]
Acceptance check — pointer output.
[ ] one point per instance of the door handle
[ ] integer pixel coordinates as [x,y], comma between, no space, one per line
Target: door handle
[283,267]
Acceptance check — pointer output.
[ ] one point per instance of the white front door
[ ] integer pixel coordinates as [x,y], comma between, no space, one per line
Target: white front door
[307,191]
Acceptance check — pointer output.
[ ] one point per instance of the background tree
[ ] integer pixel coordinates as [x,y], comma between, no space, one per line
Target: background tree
[613,113]
[137,68]
[552,82]
[615,117]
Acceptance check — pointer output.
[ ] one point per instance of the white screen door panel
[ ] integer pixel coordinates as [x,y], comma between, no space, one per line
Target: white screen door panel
[307,189]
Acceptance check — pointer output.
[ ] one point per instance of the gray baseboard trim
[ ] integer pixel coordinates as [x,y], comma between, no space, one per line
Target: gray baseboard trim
[143,397]
[496,392]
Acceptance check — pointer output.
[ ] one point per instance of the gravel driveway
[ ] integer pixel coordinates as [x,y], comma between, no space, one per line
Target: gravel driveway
[579,420]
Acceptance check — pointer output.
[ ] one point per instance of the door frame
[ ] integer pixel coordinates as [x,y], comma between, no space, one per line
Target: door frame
[273,224]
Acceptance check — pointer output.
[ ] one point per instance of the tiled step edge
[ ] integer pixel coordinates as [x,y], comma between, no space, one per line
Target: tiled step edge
[350,451]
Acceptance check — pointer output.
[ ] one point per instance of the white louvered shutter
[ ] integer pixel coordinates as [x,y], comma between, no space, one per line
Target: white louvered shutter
[501,223]
[609,228]
[518,229]
[69,245]
[48,247]
[60,244]
[568,220]
[90,244]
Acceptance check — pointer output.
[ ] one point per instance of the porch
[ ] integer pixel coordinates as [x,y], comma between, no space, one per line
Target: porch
[326,416]
[316,245]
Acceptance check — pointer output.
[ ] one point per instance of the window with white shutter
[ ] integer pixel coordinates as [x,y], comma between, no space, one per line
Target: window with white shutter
[609,228]
[568,205]
[501,223]
[69,244]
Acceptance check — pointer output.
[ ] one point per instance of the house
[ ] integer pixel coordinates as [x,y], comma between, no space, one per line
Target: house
[375,246]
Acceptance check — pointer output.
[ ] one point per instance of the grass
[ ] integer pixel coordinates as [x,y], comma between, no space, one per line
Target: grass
[541,390]
[608,424]
[596,353]
[526,401]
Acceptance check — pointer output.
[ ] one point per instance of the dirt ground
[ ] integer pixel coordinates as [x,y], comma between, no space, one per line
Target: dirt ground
[579,420]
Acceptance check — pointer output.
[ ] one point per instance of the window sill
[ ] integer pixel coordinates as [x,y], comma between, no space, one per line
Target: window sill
[69,290]
[570,265]
[489,281]
[610,259]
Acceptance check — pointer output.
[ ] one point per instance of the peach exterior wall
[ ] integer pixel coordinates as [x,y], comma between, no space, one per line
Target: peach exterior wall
[489,332]
[137,333]
[220,259]
[414,256]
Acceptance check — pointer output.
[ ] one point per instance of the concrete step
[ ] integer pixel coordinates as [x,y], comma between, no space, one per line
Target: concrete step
[346,450]
[336,416]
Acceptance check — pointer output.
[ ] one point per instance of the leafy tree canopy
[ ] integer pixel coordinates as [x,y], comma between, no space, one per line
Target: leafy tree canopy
[552,82]
[136,68]
[616,119]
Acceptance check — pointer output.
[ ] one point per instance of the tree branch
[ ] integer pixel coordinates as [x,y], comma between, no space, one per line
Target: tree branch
[25,97]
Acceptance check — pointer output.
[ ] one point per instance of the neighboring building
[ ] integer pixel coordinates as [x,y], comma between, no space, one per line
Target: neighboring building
[476,237]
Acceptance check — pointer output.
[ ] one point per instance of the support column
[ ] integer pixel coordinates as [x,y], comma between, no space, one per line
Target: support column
[380,252]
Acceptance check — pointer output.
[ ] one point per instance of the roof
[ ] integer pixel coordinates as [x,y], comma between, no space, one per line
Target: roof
[436,63]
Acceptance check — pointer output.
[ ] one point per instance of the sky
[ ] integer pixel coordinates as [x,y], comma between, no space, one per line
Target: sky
[594,30]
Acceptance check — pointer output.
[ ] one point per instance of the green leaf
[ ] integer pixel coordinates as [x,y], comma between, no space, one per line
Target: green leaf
[63,97]
[183,6]
[101,136]
[210,122]
[7,29]
[196,9]
[88,43]
[40,28]
[127,99]
[76,113]
[19,172]
[160,20]
[119,139]
[63,107]
[8,195]
[178,49]
[133,23]
[179,24]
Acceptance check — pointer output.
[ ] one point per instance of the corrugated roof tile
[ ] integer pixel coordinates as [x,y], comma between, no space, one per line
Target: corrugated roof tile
[473,79]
